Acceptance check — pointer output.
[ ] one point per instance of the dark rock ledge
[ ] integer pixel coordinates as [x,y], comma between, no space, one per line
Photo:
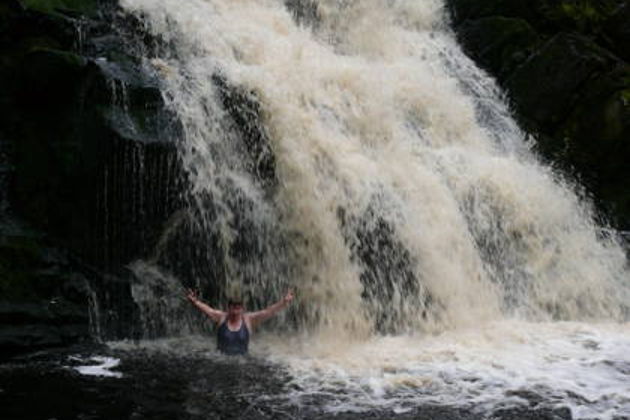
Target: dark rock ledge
[89,171]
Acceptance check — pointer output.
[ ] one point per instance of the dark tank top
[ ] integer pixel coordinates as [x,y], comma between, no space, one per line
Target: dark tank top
[232,342]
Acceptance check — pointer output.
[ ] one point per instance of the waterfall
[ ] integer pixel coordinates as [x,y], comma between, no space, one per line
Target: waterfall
[351,151]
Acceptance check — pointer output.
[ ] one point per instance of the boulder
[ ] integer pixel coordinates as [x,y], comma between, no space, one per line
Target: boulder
[617,29]
[80,7]
[462,10]
[48,77]
[597,141]
[43,296]
[22,23]
[498,44]
[548,16]
[587,17]
[546,86]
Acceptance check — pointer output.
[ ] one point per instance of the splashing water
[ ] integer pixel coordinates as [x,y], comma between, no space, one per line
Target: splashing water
[349,149]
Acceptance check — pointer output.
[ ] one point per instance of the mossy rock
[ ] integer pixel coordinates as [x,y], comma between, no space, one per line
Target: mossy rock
[29,269]
[547,86]
[78,175]
[21,338]
[462,10]
[617,30]
[20,251]
[87,7]
[22,32]
[8,11]
[584,16]
[49,76]
[598,131]
[25,24]
[552,16]
[94,117]
[498,44]
[596,141]
[43,296]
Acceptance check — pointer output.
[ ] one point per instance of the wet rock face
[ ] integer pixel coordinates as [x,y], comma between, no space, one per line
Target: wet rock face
[387,270]
[466,10]
[564,67]
[617,29]
[88,167]
[304,11]
[245,112]
[91,138]
[559,68]
[597,138]
[501,43]
[44,297]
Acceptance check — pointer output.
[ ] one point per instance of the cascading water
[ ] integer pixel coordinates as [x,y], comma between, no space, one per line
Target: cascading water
[348,149]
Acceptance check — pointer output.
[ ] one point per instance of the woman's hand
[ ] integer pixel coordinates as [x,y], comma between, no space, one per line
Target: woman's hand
[191,295]
[288,297]
[214,314]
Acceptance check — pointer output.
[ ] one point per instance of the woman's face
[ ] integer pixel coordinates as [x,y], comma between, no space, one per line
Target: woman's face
[235,309]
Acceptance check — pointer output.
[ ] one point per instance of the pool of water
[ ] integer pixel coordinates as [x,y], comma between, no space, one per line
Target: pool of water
[508,370]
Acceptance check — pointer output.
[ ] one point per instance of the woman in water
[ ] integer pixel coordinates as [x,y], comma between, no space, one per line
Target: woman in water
[235,324]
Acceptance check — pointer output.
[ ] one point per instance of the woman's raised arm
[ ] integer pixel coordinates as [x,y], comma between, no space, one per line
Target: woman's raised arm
[268,312]
[215,314]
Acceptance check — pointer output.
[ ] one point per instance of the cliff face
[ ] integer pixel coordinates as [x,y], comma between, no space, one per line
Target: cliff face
[89,169]
[564,65]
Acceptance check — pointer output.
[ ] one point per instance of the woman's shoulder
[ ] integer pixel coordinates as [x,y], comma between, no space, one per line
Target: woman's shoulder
[248,320]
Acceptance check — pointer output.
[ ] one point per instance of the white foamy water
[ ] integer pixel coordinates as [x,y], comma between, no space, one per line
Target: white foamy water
[381,131]
[402,198]
[98,366]
[583,367]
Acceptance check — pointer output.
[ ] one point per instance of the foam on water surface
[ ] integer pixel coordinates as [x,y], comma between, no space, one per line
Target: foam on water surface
[98,366]
[583,367]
